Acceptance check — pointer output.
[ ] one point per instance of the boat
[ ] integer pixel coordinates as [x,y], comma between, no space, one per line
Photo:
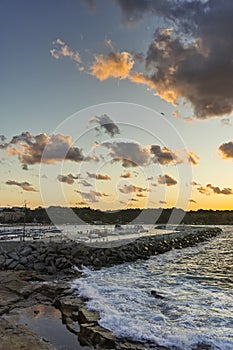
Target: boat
[121,230]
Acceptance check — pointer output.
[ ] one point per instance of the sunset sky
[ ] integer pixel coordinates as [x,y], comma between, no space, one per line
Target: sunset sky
[117,103]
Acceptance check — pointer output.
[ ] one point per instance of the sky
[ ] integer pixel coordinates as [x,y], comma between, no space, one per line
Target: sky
[117,104]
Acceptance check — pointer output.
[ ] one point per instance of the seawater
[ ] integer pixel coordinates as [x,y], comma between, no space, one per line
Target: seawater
[196,308]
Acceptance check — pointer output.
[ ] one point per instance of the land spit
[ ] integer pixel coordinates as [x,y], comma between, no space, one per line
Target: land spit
[34,263]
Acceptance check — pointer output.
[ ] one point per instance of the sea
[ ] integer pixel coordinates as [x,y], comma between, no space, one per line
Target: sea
[193,305]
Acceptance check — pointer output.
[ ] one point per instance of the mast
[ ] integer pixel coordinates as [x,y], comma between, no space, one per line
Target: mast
[24,221]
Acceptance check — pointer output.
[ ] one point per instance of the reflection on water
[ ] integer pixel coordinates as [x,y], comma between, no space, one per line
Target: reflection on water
[46,322]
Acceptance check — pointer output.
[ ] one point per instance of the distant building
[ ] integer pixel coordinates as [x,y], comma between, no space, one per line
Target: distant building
[10,216]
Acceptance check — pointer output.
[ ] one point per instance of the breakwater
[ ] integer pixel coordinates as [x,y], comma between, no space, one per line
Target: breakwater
[52,257]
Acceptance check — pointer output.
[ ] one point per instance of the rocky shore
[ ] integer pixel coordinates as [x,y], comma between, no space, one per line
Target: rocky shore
[38,273]
[52,257]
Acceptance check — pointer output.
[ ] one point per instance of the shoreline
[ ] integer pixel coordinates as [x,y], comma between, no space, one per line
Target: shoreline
[50,285]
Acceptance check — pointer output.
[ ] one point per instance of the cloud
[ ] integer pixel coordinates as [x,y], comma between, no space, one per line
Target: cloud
[193,158]
[217,190]
[114,65]
[127,175]
[211,189]
[68,179]
[191,57]
[92,196]
[162,202]
[3,143]
[26,186]
[63,50]
[98,176]
[133,200]
[31,148]
[166,180]
[162,155]
[226,121]
[85,183]
[131,154]
[107,124]
[141,195]
[131,189]
[192,201]
[24,167]
[226,150]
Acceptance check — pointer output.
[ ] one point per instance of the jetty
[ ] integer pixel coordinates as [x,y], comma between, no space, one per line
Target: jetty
[52,257]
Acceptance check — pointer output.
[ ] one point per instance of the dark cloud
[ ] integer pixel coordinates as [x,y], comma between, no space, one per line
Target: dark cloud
[192,201]
[92,196]
[226,150]
[132,189]
[217,190]
[68,179]
[24,167]
[43,148]
[162,202]
[131,154]
[166,180]
[162,155]
[98,176]
[210,189]
[191,57]
[107,124]
[226,121]
[3,143]
[26,186]
[85,183]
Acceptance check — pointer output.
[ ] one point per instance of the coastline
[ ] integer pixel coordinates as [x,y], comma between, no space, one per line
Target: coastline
[22,289]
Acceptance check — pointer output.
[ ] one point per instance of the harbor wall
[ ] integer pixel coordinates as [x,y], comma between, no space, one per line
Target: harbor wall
[52,257]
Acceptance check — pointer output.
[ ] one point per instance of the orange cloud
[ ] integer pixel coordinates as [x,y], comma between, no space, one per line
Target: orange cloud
[127,175]
[26,186]
[166,180]
[68,179]
[115,65]
[61,49]
[98,176]
[226,150]
[44,148]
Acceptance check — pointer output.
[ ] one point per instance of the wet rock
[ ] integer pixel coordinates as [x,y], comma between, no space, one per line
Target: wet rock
[92,335]
[87,316]
[156,294]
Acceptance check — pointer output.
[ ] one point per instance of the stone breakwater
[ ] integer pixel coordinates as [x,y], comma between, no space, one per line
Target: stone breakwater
[52,257]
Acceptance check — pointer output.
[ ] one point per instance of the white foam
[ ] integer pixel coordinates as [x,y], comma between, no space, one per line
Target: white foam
[194,309]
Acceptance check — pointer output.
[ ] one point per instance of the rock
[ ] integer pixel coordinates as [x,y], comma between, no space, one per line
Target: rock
[13,264]
[13,255]
[20,267]
[87,316]
[39,266]
[26,251]
[92,335]
[2,261]
[156,295]
[23,260]
[30,258]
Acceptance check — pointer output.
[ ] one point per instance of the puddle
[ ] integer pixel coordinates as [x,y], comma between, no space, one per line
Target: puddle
[46,321]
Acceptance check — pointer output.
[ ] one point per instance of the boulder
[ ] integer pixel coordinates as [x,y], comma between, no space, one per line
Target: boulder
[87,316]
